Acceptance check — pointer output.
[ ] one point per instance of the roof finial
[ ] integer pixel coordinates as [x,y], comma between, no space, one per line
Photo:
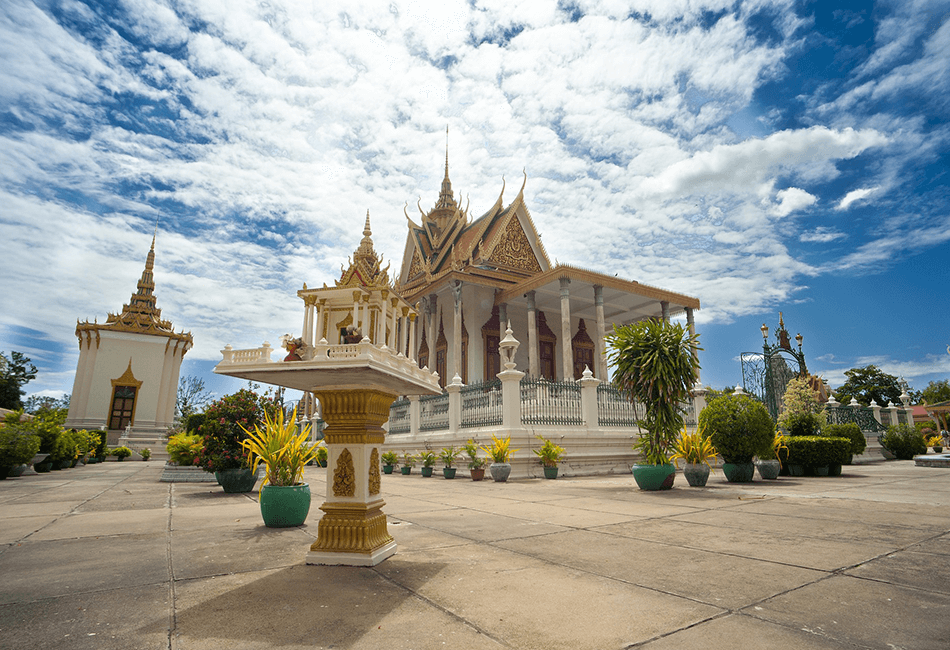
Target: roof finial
[446,151]
[366,230]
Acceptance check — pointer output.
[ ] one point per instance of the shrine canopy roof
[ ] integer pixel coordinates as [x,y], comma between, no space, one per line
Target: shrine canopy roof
[625,301]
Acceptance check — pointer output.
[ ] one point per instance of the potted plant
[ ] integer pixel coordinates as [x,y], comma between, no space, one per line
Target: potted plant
[408,462]
[740,428]
[428,459]
[223,431]
[903,441]
[476,465]
[145,453]
[500,453]
[18,446]
[695,450]
[549,455]
[769,468]
[322,454]
[654,364]
[449,456]
[933,440]
[390,458]
[121,453]
[284,449]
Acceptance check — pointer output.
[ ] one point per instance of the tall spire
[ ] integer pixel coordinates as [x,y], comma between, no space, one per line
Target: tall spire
[446,196]
[143,300]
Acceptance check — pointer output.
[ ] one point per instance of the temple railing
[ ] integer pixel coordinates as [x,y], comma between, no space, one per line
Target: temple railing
[481,404]
[433,412]
[614,409]
[399,421]
[550,402]
[863,416]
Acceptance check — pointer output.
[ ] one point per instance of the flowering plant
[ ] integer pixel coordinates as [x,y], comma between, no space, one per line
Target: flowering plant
[224,429]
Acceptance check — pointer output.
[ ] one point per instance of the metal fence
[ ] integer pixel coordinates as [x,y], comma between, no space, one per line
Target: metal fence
[481,404]
[550,402]
[434,412]
[615,409]
[863,417]
[399,416]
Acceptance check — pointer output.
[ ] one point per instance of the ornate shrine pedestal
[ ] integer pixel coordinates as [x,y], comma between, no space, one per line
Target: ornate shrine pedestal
[356,384]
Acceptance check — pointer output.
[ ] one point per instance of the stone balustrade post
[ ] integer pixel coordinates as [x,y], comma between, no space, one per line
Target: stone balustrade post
[511,398]
[415,414]
[265,351]
[893,409]
[455,403]
[228,353]
[589,385]
[876,411]
[699,400]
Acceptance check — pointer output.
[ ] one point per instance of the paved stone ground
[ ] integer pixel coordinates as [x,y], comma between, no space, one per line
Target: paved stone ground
[106,556]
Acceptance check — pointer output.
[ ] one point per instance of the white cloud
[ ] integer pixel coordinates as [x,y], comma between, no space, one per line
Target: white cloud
[821,235]
[855,196]
[792,199]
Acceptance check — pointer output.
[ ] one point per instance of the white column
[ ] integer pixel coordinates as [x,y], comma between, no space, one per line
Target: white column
[75,407]
[433,333]
[412,336]
[405,339]
[307,326]
[166,398]
[356,308]
[599,351]
[393,340]
[692,332]
[589,398]
[665,310]
[455,404]
[366,319]
[318,333]
[381,318]
[533,366]
[567,358]
[457,329]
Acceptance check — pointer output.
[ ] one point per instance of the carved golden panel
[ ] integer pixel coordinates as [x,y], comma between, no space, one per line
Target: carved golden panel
[374,478]
[344,476]
[514,250]
[351,528]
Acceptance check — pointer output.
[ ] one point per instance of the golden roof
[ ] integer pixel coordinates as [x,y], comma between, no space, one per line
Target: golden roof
[364,270]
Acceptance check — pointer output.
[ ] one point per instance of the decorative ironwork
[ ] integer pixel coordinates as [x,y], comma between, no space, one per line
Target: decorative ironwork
[614,409]
[550,402]
[399,416]
[434,412]
[481,404]
[862,416]
[766,374]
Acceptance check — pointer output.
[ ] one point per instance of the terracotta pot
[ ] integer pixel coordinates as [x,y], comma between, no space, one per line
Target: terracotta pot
[477,474]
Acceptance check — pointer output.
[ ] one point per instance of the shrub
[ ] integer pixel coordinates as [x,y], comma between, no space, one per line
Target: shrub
[816,451]
[223,429]
[801,424]
[183,448]
[903,441]
[121,452]
[851,431]
[18,445]
[101,451]
[145,453]
[194,421]
[739,426]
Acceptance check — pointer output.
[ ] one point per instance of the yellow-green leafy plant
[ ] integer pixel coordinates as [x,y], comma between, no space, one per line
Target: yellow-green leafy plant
[283,449]
[550,454]
[500,450]
[693,448]
[778,444]
[408,460]
[449,455]
[471,450]
[183,448]
[428,458]
[390,458]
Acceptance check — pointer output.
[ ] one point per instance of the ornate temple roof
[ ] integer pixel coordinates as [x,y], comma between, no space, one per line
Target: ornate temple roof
[364,269]
[140,315]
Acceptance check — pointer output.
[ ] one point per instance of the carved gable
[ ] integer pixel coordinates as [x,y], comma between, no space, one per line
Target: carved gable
[514,250]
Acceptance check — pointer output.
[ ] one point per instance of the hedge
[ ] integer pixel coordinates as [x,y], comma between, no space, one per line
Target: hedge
[817,451]
[851,431]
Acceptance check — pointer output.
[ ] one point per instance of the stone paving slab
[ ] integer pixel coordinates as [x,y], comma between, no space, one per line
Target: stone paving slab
[588,562]
[864,613]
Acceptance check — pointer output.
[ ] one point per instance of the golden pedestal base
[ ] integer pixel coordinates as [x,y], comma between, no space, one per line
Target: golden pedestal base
[353,529]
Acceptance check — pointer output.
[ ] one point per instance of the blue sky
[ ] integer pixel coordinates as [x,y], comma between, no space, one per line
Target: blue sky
[762,156]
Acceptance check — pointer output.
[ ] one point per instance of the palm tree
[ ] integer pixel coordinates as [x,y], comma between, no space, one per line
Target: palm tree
[654,365]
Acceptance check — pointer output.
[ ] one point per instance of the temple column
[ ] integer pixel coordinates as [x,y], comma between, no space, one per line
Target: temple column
[457,329]
[307,326]
[665,310]
[502,316]
[318,333]
[567,359]
[356,308]
[404,337]
[533,366]
[412,336]
[599,350]
[380,338]
[393,339]
[433,327]
[692,332]
[366,321]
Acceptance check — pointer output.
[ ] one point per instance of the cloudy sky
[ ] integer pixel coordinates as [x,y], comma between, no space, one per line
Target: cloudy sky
[762,156]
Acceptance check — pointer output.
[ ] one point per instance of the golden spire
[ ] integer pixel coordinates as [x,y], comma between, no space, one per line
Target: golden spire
[446,196]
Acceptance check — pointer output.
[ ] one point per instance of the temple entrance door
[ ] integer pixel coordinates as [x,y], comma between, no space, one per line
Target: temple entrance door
[546,357]
[583,350]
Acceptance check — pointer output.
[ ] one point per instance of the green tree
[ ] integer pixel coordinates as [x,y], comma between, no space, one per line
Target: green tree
[867,383]
[15,372]
[936,391]
[35,403]
[192,396]
[654,365]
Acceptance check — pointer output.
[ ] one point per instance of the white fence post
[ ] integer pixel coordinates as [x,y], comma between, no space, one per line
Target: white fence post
[414,415]
[455,403]
[589,385]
